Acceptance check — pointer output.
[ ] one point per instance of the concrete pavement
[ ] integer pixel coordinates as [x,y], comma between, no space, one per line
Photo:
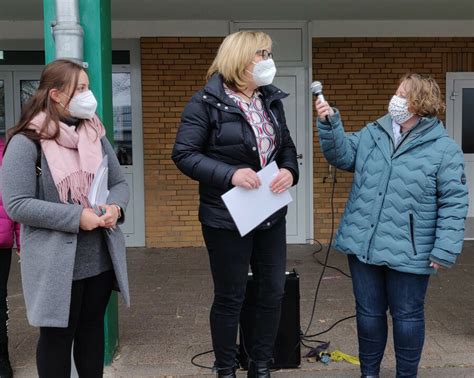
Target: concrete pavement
[171,291]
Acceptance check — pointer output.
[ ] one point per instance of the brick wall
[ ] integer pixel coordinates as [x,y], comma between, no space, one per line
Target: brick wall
[359,77]
[172,70]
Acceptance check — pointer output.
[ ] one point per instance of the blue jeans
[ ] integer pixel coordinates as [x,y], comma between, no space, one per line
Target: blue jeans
[377,288]
[230,256]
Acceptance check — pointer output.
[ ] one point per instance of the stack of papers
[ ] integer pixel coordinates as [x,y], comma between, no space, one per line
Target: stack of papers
[99,190]
[250,207]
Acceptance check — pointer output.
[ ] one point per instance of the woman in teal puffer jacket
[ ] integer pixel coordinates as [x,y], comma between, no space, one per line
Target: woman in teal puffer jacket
[404,217]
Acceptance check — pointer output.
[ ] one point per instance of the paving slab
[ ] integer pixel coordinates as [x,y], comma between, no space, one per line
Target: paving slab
[168,323]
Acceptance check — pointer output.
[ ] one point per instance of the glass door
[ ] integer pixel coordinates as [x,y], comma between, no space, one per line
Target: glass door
[128,145]
[463,98]
[6,102]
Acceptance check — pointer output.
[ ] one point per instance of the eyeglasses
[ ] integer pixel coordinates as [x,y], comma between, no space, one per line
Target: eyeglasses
[265,54]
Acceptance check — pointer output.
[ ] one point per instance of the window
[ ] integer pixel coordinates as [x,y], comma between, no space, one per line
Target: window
[122,117]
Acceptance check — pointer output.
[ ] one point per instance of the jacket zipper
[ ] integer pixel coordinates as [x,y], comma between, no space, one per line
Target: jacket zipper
[412,233]
[278,132]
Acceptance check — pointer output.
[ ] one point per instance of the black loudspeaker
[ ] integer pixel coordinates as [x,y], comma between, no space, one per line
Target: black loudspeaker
[287,351]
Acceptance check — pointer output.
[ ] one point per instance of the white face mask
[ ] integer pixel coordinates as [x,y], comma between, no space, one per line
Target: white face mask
[398,109]
[264,72]
[83,105]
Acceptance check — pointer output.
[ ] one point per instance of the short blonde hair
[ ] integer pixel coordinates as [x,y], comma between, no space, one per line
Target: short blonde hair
[423,95]
[235,53]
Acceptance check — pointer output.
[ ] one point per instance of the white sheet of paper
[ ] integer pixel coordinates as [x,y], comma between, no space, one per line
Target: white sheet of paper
[99,190]
[250,207]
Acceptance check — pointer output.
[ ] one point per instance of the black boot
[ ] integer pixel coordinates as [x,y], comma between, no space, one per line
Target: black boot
[5,366]
[258,369]
[370,376]
[226,373]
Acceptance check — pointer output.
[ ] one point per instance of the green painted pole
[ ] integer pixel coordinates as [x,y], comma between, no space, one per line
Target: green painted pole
[49,12]
[96,22]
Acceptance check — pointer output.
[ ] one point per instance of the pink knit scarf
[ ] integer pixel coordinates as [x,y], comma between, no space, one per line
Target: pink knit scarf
[73,158]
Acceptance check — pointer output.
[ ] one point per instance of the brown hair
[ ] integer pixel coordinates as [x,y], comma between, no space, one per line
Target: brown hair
[423,95]
[60,74]
[237,51]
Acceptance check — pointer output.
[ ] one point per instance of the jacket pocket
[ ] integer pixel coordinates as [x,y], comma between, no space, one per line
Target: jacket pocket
[412,233]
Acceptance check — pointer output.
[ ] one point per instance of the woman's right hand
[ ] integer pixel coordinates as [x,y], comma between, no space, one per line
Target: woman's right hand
[90,220]
[323,109]
[246,178]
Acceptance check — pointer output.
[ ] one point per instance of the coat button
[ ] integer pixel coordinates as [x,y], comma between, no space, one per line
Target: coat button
[204,96]
[254,148]
[226,107]
[269,224]
[372,225]
[380,193]
[218,104]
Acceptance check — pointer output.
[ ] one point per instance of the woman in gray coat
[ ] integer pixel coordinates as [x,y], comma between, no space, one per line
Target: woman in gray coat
[71,254]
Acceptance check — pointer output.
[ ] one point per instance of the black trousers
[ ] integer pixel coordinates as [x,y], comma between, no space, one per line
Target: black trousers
[89,300]
[230,256]
[5,263]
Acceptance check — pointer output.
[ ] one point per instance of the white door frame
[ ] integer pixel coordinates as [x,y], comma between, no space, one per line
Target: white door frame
[305,63]
[451,77]
[453,108]
[137,239]
[300,141]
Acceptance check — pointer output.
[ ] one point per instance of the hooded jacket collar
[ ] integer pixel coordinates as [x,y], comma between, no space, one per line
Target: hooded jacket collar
[215,88]
[427,129]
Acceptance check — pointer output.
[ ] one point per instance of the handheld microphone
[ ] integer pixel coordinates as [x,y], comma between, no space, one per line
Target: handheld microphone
[317,89]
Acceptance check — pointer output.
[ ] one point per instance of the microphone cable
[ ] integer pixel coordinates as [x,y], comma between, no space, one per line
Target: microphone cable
[305,336]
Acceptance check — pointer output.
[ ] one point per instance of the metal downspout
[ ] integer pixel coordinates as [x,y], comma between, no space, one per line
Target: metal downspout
[67,32]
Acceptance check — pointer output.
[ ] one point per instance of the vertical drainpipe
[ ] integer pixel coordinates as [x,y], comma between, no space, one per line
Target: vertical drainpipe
[67,32]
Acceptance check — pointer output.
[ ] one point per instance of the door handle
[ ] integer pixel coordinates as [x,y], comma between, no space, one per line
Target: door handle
[299,156]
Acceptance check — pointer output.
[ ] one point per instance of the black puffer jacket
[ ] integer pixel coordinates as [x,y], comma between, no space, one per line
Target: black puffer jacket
[215,139]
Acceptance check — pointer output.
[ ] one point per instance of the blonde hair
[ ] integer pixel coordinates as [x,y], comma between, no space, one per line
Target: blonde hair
[235,53]
[423,95]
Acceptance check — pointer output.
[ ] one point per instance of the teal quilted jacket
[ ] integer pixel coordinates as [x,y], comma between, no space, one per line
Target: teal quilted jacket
[408,204]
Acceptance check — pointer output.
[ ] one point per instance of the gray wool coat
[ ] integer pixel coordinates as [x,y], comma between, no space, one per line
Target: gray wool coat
[49,231]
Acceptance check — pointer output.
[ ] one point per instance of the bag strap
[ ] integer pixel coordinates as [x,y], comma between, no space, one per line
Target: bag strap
[38,158]
[38,152]
[38,162]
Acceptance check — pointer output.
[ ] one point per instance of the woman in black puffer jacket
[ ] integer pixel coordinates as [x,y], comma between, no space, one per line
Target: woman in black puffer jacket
[230,130]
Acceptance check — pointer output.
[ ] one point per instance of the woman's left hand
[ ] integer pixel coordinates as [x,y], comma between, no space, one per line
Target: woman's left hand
[282,181]
[434,265]
[110,216]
